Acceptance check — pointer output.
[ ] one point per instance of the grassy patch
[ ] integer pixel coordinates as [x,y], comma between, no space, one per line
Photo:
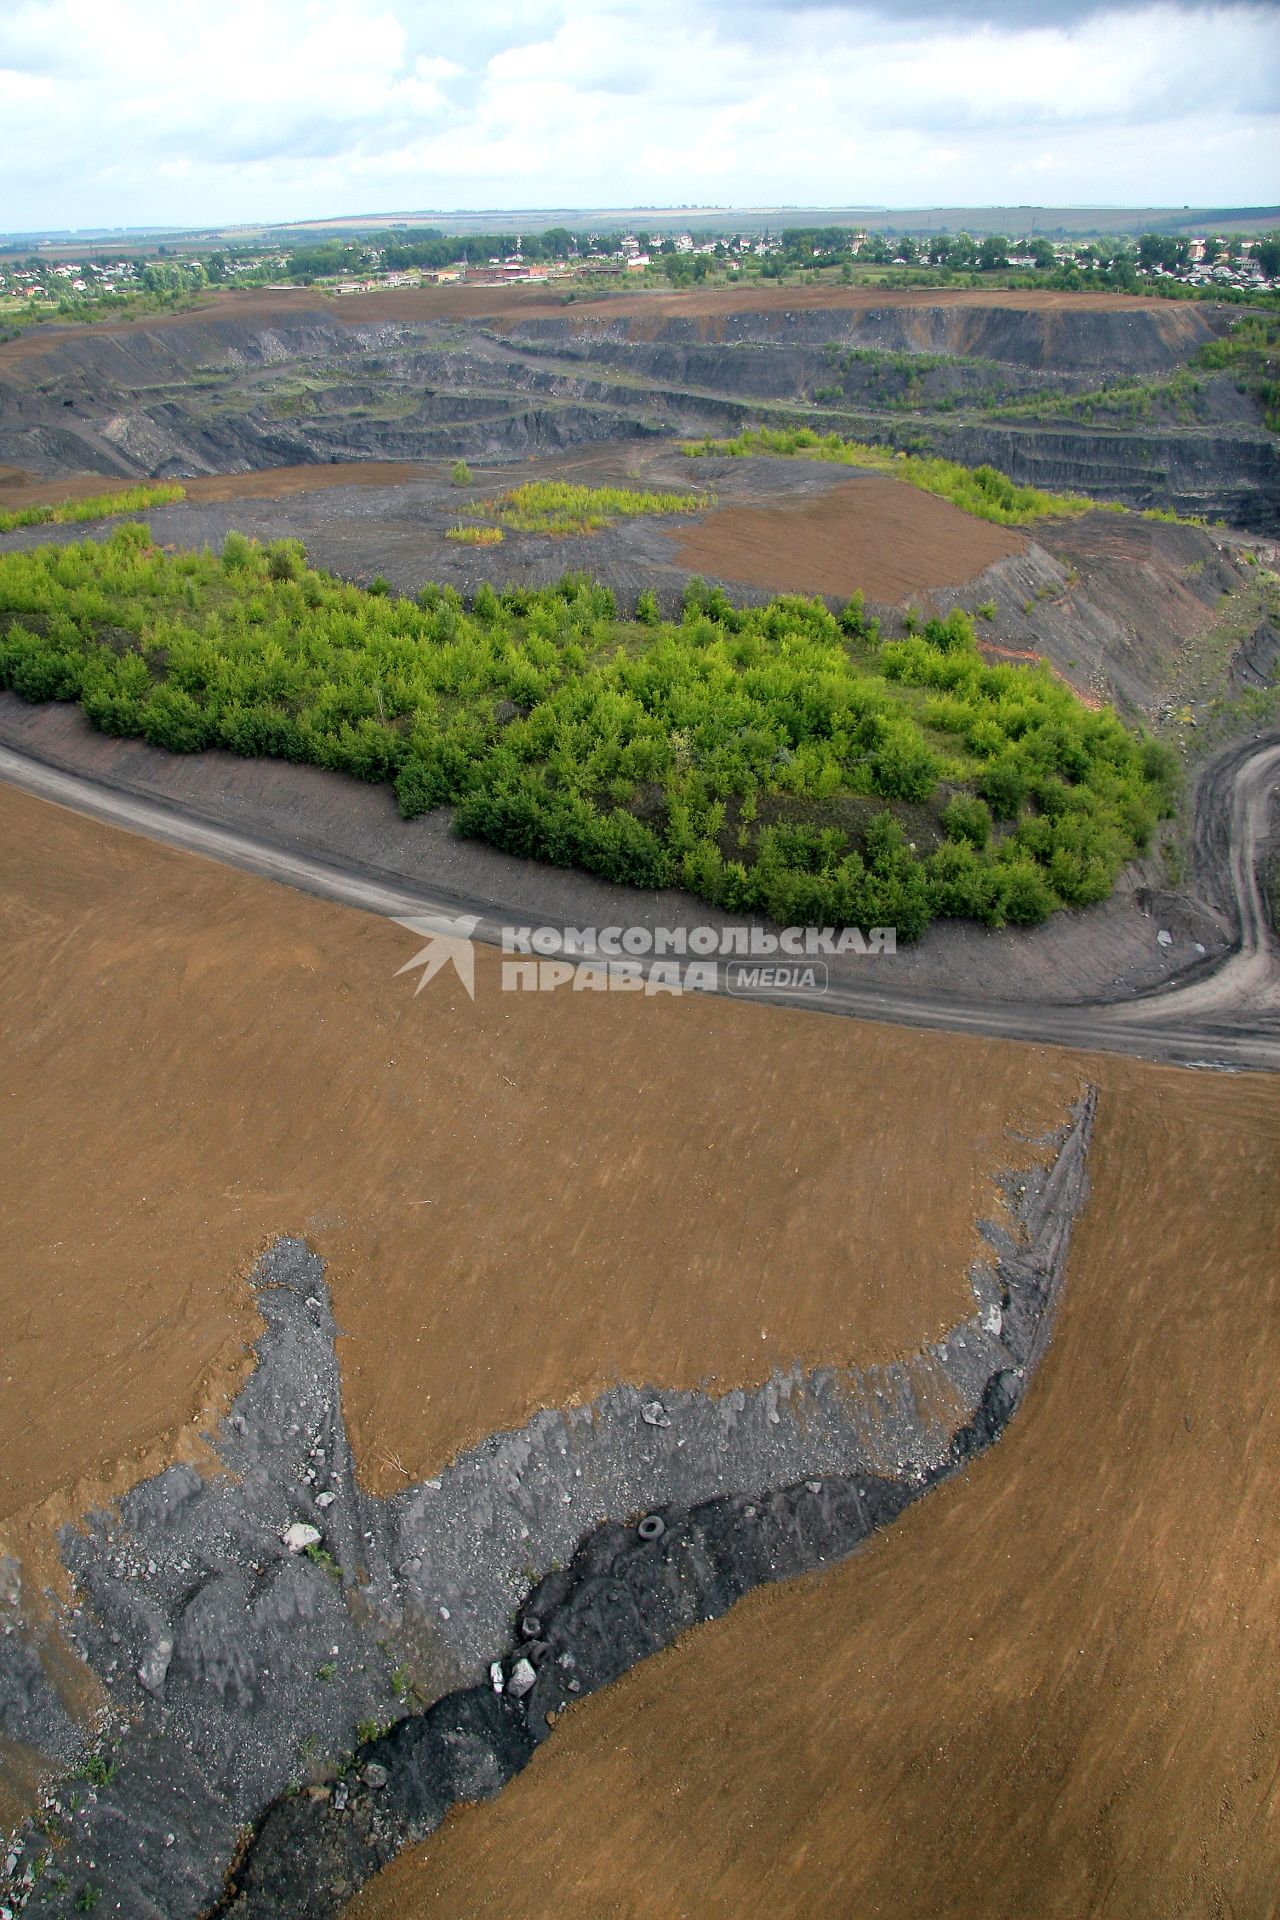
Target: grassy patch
[774,759]
[984,492]
[557,507]
[475,536]
[95,506]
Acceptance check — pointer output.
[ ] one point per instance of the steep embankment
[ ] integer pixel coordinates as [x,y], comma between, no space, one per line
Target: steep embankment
[1219,473]
[291,378]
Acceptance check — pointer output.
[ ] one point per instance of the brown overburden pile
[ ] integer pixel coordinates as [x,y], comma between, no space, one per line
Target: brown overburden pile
[1051,1690]
[871,535]
[521,1200]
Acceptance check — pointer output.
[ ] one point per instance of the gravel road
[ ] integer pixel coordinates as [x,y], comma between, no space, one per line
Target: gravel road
[1224,1014]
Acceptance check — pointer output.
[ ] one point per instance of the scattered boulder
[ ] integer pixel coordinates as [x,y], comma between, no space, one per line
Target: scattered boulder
[521,1679]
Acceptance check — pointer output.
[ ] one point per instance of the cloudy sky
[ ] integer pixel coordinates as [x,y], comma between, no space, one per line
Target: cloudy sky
[132,112]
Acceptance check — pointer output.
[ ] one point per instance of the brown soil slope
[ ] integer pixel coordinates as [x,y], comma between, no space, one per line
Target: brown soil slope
[523,1199]
[19,489]
[873,534]
[1052,1690]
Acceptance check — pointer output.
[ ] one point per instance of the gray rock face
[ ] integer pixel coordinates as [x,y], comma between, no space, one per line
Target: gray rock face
[245,1658]
[32,1711]
[494,389]
[1254,664]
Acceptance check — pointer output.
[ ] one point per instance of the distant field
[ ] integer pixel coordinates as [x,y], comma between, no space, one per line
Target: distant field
[1067,222]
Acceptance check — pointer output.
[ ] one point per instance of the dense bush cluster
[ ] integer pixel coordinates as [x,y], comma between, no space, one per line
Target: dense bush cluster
[775,759]
[983,491]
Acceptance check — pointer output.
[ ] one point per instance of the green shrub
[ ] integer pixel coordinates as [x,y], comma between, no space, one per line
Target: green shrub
[753,755]
[286,559]
[967,818]
[460,474]
[1028,897]
[1004,786]
[172,719]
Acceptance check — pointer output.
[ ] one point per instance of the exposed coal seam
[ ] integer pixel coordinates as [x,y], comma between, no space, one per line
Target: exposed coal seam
[239,1668]
[629,1592]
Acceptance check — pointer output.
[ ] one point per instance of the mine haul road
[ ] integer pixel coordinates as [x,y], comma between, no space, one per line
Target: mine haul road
[1224,1014]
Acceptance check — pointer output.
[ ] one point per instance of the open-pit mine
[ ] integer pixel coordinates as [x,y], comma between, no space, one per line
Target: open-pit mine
[497,1425]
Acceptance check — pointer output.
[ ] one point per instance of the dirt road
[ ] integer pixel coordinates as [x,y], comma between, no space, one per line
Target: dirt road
[1227,1018]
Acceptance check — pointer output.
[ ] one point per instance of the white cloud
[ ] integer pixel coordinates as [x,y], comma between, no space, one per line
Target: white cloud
[128,111]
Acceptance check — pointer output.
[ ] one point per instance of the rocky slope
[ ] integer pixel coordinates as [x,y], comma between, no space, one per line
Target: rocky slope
[308,380]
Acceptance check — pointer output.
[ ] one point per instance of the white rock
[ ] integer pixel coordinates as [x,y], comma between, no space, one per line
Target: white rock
[495,1675]
[521,1679]
[1164,938]
[325,1499]
[155,1664]
[300,1536]
[654,1414]
[992,1318]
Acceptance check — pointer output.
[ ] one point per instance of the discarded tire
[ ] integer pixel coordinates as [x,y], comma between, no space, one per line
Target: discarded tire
[652,1527]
